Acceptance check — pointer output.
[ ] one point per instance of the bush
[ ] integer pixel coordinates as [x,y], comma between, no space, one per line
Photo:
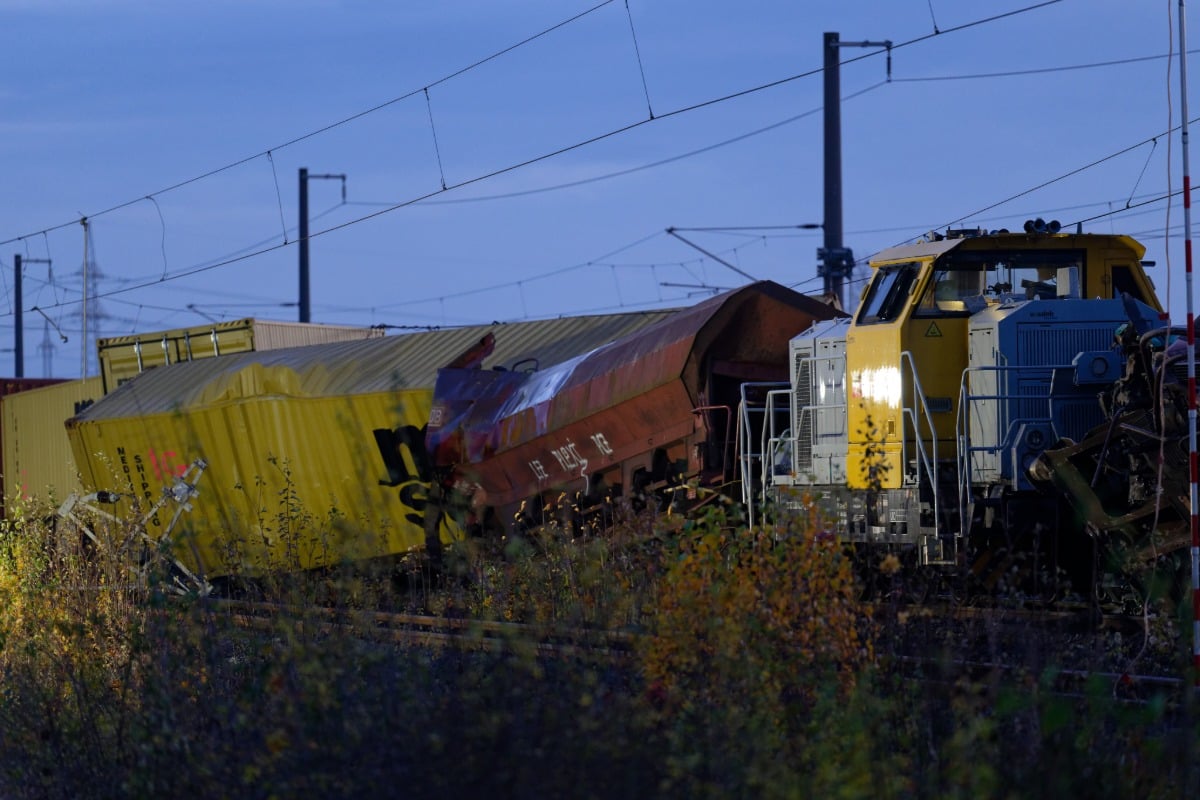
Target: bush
[755,676]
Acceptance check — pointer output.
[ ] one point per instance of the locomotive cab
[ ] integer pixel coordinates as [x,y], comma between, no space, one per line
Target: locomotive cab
[906,350]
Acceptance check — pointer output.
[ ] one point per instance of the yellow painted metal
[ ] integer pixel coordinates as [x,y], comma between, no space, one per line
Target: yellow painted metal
[292,482]
[880,382]
[887,425]
[37,453]
[125,357]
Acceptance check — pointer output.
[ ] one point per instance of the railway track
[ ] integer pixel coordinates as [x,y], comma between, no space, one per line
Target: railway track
[428,631]
[435,632]
[1074,616]
[1065,651]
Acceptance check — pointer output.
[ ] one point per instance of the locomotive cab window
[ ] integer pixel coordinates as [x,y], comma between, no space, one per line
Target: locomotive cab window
[888,293]
[1123,283]
[966,282]
[953,292]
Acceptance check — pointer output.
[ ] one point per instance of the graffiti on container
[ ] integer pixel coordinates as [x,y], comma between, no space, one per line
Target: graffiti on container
[409,467]
[569,459]
[164,469]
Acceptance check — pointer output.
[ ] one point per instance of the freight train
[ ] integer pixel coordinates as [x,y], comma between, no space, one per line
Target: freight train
[991,395]
[938,422]
[316,455]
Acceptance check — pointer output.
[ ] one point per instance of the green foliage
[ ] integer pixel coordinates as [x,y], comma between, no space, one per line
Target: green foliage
[562,573]
[755,677]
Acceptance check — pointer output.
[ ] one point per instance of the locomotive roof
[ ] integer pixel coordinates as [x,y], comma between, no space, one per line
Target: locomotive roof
[1001,241]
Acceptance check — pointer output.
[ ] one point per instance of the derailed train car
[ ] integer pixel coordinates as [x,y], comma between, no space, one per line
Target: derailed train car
[314,455]
[640,418]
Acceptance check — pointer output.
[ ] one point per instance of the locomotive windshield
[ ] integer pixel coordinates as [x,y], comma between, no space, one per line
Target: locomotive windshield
[888,293]
[963,281]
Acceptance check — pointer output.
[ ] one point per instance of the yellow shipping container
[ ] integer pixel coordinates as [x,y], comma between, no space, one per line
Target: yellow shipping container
[291,482]
[37,453]
[125,357]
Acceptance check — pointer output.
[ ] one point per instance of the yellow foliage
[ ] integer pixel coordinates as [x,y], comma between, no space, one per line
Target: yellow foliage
[761,617]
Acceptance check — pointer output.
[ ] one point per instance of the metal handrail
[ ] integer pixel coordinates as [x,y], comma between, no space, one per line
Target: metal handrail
[967,400]
[746,458]
[924,462]
[769,438]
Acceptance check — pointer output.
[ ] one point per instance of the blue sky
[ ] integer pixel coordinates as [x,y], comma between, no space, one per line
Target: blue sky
[179,128]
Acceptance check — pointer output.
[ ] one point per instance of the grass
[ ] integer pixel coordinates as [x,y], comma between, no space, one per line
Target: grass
[757,678]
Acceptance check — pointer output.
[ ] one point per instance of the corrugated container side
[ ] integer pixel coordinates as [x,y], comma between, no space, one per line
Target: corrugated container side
[327,439]
[273,335]
[37,453]
[12,386]
[291,483]
[123,358]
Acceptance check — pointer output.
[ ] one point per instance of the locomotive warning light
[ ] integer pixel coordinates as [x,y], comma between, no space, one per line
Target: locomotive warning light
[1040,225]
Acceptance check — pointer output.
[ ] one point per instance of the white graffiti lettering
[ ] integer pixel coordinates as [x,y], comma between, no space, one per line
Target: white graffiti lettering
[602,444]
[568,458]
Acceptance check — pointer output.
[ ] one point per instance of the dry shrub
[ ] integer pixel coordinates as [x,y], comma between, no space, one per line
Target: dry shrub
[752,627]
[558,574]
[770,607]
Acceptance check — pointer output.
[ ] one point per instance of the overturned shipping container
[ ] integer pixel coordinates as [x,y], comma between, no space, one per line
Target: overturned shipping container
[315,455]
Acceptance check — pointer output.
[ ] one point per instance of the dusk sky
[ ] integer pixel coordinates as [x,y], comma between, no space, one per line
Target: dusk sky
[568,136]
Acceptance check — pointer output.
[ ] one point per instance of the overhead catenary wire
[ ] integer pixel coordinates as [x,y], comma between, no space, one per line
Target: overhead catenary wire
[676,112]
[444,200]
[163,229]
[583,143]
[630,170]
[1054,180]
[933,18]
[641,68]
[1145,200]
[437,151]
[758,131]
[1017,73]
[278,196]
[331,126]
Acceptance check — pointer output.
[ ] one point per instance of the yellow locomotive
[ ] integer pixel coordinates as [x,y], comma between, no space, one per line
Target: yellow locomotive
[970,355]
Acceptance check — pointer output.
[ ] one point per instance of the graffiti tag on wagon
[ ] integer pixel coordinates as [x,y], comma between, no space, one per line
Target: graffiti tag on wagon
[409,467]
[569,459]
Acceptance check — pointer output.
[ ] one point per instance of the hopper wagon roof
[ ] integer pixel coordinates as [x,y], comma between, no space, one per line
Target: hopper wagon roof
[479,413]
[391,363]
